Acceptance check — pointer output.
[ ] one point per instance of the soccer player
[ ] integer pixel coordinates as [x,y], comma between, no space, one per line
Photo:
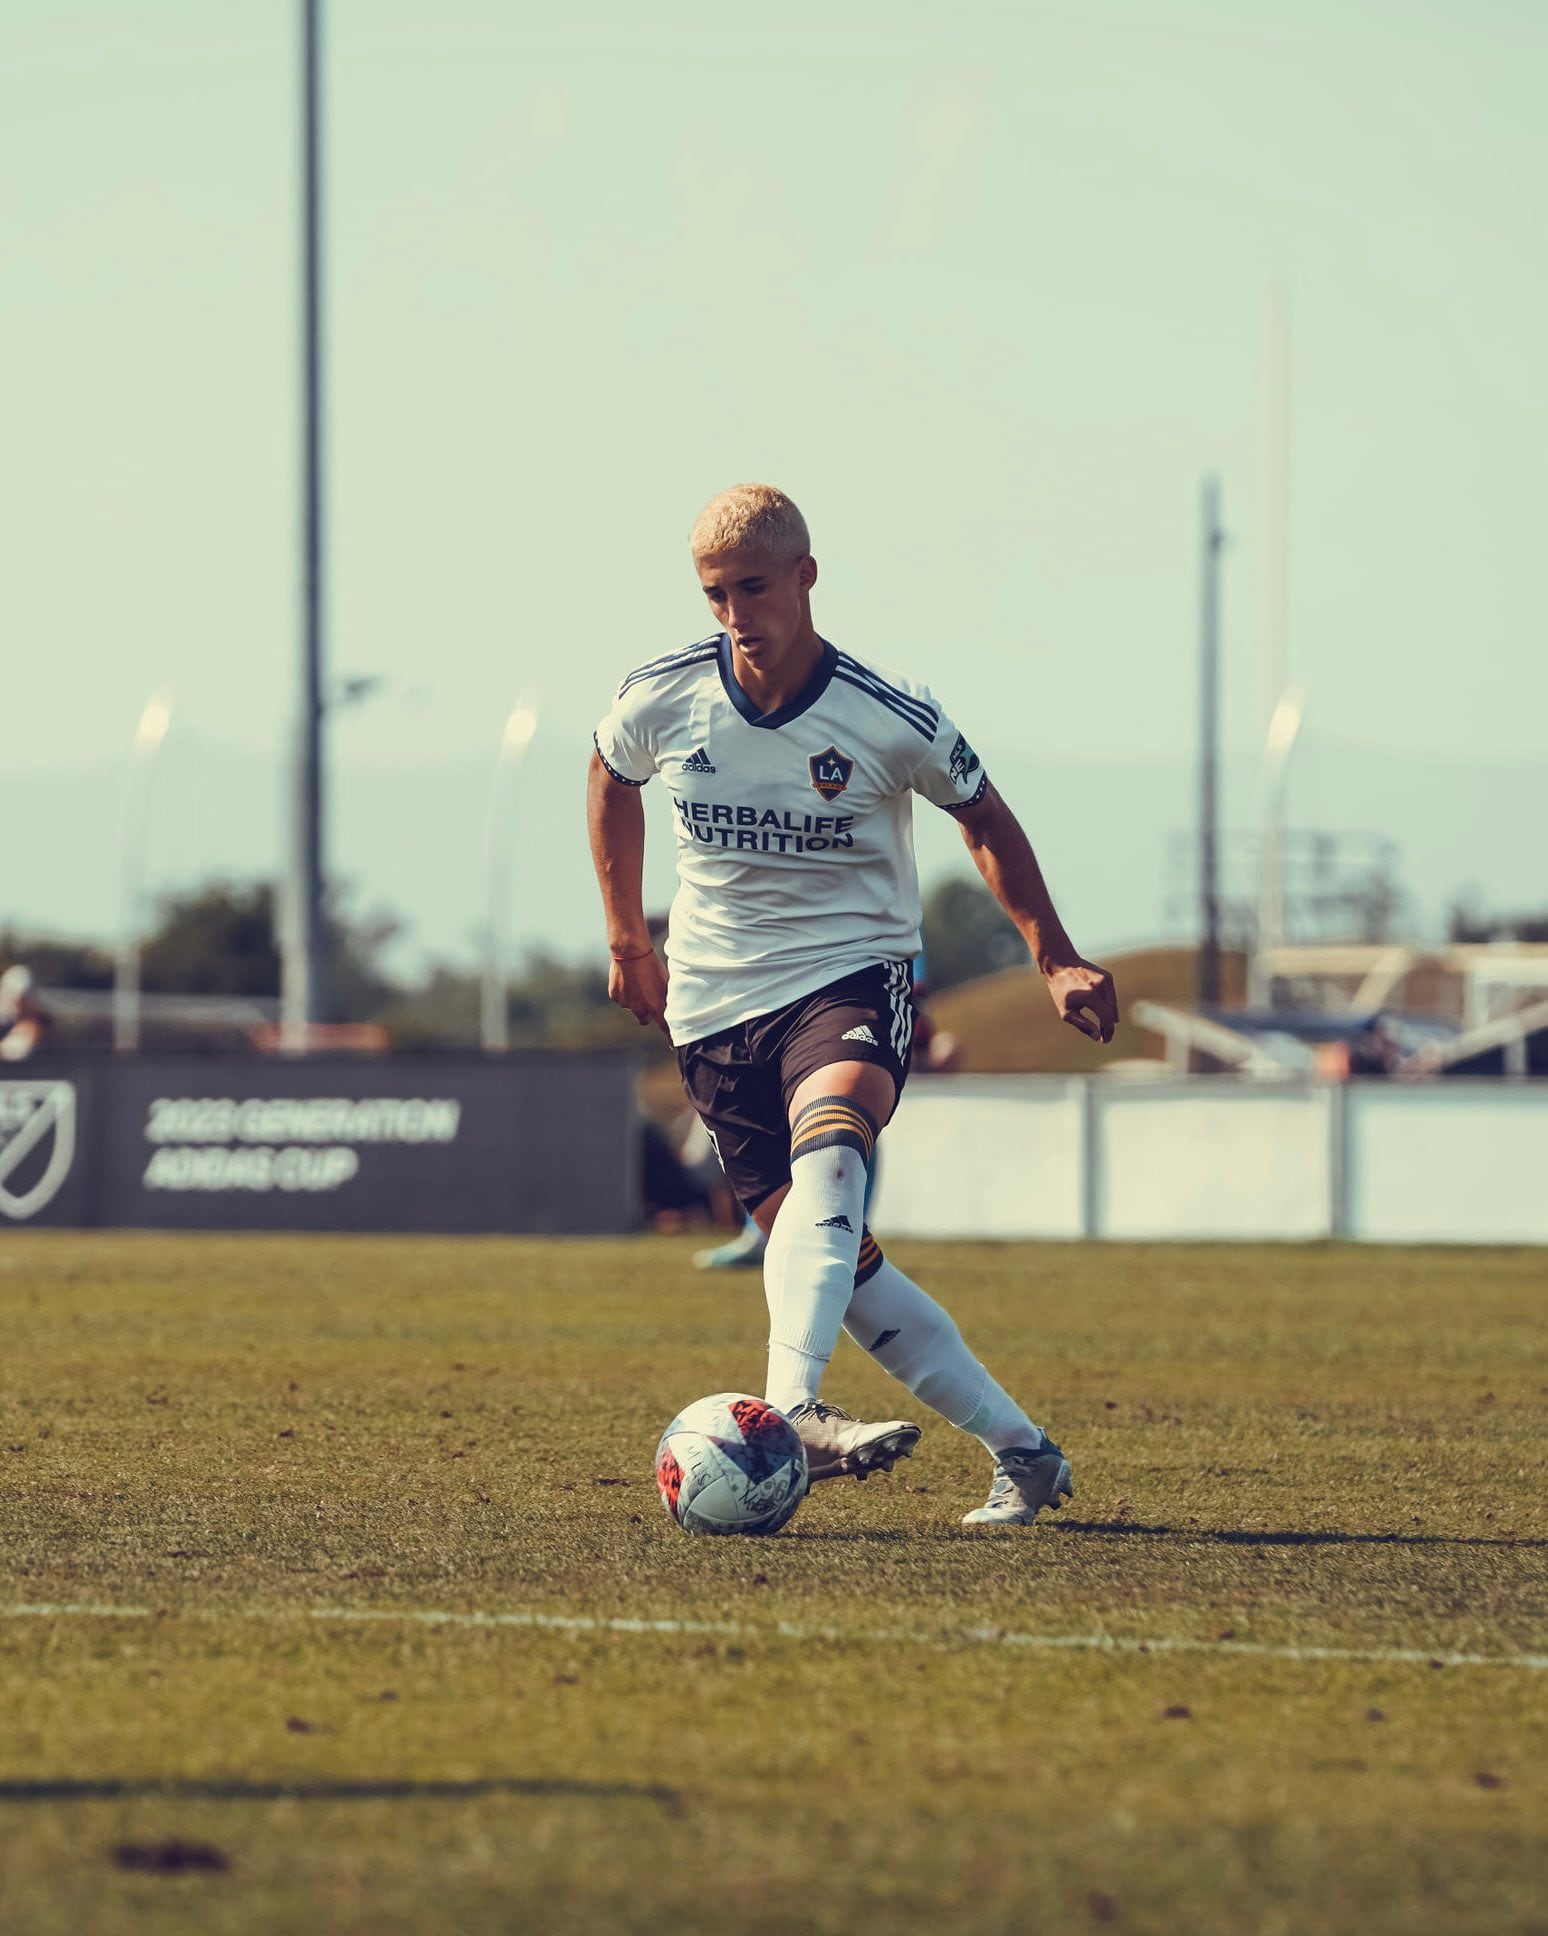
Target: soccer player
[791,767]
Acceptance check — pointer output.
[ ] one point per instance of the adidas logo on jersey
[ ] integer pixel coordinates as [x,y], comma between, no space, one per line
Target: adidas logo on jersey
[699,762]
[860,1034]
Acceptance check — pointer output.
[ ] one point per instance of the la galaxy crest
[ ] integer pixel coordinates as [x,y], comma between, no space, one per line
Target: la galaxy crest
[831,772]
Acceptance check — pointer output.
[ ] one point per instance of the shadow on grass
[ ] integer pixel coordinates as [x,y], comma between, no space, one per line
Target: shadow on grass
[1232,1536]
[337,1791]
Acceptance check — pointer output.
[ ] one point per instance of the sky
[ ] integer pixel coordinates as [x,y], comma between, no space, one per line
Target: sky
[986,287]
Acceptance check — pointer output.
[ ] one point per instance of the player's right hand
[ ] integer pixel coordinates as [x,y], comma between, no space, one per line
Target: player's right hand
[1084,996]
[641,987]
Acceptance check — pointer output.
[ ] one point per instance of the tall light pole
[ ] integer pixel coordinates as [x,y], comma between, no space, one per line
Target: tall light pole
[1276,690]
[1277,748]
[1212,542]
[305,980]
[147,743]
[494,1030]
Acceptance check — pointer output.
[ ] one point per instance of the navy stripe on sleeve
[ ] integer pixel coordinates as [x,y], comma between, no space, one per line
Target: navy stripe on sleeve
[961,806]
[622,778]
[924,728]
[924,711]
[673,662]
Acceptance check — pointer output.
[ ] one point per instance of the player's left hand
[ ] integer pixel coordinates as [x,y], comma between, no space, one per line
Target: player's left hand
[1085,997]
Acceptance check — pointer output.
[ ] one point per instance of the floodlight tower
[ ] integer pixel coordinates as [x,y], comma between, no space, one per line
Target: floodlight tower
[1212,542]
[148,738]
[494,1031]
[1277,748]
[304,970]
[1281,707]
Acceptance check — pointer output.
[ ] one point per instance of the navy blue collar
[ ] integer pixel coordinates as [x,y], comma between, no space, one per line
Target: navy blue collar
[806,698]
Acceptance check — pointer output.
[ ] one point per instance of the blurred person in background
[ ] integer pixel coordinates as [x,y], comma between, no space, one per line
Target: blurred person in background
[25,1024]
[675,1195]
[744,1251]
[939,1048]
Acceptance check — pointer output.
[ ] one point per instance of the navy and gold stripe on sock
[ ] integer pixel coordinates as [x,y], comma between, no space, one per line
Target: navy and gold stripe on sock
[833,1122]
[870,1260]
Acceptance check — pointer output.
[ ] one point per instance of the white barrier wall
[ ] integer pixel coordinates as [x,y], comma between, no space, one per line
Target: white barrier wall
[1222,1159]
[1452,1163]
[985,1156]
[1031,1156]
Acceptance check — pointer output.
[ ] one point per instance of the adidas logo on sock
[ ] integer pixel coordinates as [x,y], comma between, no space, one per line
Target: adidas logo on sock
[699,762]
[860,1034]
[835,1223]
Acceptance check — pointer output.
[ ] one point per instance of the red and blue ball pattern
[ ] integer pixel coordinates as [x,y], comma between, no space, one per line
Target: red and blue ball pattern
[731,1464]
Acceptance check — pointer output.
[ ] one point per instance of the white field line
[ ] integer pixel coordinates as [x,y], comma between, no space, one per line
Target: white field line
[784,1630]
[80,1610]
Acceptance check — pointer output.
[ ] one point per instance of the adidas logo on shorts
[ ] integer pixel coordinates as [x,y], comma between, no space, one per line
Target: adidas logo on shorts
[698,762]
[860,1034]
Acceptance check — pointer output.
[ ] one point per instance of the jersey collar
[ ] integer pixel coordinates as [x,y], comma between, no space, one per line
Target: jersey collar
[806,698]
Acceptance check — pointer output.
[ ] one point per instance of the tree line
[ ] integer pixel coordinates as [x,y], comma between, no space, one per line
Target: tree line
[222,938]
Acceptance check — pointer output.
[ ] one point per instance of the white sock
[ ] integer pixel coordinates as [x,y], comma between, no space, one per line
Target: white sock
[910,1336]
[809,1266]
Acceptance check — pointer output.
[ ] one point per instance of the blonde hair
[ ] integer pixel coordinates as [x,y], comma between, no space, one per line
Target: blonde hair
[754,517]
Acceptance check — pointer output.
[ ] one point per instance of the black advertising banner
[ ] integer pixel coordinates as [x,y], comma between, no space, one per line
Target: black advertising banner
[539,1143]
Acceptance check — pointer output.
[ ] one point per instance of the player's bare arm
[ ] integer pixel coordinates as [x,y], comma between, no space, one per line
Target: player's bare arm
[615,819]
[1083,993]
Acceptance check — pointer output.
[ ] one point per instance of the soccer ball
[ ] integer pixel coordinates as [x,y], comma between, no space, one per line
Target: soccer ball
[731,1464]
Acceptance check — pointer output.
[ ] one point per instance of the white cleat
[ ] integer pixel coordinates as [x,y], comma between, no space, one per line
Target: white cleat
[837,1445]
[1024,1482]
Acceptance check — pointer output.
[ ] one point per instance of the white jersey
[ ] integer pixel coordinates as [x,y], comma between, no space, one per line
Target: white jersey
[795,844]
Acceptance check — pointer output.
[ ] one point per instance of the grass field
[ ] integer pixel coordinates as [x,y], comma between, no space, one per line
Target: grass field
[237,1477]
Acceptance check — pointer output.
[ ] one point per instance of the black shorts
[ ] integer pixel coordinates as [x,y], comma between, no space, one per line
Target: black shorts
[741,1080]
